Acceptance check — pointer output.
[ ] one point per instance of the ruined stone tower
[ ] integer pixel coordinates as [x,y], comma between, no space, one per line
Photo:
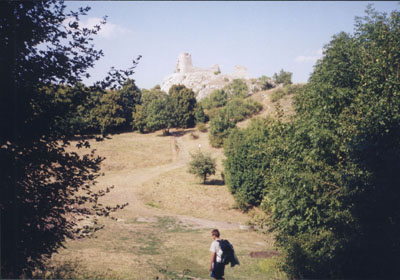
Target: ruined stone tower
[202,81]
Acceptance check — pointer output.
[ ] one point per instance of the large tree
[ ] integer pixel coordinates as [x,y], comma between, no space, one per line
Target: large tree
[45,190]
[184,102]
[335,187]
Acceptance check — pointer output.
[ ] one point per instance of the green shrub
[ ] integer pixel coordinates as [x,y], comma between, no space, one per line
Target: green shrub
[220,126]
[237,88]
[218,98]
[264,83]
[247,163]
[286,90]
[239,109]
[200,116]
[226,118]
[283,77]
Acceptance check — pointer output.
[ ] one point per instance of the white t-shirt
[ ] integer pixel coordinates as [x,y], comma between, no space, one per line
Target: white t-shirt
[215,248]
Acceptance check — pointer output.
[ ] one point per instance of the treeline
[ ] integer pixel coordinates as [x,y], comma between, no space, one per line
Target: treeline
[328,178]
[88,111]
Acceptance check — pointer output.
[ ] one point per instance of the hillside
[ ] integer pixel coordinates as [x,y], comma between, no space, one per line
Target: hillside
[165,230]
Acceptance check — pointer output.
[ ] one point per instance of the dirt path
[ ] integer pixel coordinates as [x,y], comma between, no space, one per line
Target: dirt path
[129,183]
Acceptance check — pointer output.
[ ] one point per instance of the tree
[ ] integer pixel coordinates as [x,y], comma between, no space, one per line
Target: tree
[130,96]
[110,112]
[283,77]
[220,127]
[45,189]
[139,118]
[202,165]
[200,116]
[141,110]
[333,190]
[160,114]
[184,102]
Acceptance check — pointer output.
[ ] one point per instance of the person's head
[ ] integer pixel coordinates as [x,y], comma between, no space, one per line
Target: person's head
[215,233]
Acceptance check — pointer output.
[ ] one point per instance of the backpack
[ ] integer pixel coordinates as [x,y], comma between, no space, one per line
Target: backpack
[228,254]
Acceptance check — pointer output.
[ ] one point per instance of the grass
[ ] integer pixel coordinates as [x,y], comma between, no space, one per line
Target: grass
[151,238]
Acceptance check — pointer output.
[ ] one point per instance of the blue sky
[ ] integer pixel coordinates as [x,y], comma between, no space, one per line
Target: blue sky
[262,36]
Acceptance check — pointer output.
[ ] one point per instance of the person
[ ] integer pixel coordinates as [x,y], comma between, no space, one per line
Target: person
[217,268]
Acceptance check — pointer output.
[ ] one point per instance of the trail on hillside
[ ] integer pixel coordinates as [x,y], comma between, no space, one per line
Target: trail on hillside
[129,182]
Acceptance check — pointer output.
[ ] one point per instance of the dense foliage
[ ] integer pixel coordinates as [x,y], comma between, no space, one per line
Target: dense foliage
[247,163]
[139,115]
[158,110]
[217,98]
[160,114]
[226,118]
[45,189]
[184,105]
[331,178]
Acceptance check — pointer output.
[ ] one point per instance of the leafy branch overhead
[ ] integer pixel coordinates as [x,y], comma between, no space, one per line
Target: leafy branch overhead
[46,189]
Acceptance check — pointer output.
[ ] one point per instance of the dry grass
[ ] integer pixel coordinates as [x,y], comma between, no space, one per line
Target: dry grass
[165,230]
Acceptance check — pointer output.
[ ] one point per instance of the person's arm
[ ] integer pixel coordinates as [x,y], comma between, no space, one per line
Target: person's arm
[212,260]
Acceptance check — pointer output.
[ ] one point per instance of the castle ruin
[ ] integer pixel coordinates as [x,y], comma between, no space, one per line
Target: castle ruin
[203,81]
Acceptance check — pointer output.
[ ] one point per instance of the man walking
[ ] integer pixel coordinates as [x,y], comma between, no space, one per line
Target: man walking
[216,266]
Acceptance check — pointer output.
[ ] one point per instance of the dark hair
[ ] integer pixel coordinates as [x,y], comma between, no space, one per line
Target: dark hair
[215,232]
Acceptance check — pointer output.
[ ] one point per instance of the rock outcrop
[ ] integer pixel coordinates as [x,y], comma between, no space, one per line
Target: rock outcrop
[203,81]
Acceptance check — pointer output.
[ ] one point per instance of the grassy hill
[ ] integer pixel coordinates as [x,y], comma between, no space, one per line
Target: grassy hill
[165,230]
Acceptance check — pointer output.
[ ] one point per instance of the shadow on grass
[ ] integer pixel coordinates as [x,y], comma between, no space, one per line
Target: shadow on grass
[215,182]
[181,132]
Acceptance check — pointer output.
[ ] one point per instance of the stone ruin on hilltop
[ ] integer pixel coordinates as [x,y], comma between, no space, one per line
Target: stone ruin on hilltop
[202,81]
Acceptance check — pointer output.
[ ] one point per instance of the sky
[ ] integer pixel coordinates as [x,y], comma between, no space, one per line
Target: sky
[263,36]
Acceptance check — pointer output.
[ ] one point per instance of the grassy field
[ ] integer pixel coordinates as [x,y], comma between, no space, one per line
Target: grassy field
[164,232]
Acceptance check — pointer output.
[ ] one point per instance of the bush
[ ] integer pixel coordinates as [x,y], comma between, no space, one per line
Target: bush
[201,127]
[286,90]
[264,83]
[218,98]
[246,163]
[237,88]
[220,127]
[283,77]
[202,165]
[239,109]
[226,118]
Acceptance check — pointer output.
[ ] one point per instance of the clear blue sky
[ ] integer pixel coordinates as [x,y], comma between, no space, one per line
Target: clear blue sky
[262,36]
